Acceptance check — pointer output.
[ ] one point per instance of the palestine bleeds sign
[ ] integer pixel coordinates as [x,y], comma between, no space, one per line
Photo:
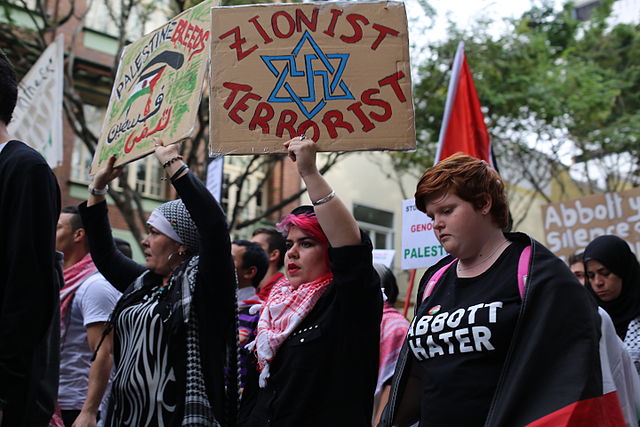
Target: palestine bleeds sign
[337,72]
[158,88]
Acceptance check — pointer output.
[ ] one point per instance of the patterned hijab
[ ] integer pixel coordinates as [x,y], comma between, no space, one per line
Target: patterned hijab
[173,220]
[615,254]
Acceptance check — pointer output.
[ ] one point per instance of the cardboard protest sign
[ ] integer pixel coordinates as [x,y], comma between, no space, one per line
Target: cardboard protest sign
[157,89]
[570,226]
[337,72]
[420,247]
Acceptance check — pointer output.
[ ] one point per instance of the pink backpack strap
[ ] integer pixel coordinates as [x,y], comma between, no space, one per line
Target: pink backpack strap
[523,272]
[523,269]
[433,281]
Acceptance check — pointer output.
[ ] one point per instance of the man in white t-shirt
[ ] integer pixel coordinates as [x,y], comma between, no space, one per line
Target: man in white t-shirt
[86,302]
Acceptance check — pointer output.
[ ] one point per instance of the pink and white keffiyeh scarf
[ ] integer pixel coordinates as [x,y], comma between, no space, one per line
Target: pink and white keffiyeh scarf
[74,276]
[281,314]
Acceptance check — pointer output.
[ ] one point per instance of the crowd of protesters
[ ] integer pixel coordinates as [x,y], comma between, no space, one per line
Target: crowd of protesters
[297,327]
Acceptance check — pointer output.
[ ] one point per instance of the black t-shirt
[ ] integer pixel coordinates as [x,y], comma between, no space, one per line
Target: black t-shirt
[460,339]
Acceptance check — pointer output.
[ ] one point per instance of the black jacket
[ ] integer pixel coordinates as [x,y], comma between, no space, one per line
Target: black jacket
[325,373]
[29,287]
[553,359]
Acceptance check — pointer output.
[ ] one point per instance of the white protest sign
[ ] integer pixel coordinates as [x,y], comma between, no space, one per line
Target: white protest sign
[37,118]
[420,247]
[383,256]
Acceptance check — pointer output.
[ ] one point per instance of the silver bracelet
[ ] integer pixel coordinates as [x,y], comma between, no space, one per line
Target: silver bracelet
[325,199]
[98,192]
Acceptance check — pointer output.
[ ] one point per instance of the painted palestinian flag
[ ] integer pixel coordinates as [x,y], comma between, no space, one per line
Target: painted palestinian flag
[145,86]
[148,80]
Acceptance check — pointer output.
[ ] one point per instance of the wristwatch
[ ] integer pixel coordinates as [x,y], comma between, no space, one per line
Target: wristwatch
[98,191]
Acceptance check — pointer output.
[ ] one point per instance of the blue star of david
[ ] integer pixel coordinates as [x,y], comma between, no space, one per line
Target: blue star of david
[329,73]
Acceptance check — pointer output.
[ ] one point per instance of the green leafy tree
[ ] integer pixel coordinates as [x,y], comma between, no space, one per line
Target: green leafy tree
[560,97]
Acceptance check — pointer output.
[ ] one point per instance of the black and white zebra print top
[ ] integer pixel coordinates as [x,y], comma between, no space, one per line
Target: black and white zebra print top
[144,390]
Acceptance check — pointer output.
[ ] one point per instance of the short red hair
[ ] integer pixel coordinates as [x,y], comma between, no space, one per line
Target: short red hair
[470,179]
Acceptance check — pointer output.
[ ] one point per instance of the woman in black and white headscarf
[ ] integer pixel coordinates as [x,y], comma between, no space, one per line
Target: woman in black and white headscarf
[613,276]
[175,323]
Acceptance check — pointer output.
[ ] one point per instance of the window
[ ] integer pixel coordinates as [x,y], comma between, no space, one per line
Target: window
[80,162]
[582,11]
[81,157]
[377,223]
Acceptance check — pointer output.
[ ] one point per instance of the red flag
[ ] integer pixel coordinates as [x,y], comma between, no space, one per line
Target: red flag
[463,128]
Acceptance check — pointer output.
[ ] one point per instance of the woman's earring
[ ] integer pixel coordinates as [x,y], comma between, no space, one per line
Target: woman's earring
[170,257]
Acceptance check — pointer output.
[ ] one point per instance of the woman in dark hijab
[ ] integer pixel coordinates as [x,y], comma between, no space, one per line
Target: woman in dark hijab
[613,275]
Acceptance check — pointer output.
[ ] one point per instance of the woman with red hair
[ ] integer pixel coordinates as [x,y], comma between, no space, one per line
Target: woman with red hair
[503,335]
[318,333]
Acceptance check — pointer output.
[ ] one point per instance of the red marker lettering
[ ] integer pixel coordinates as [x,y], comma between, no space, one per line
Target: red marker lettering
[276,27]
[335,13]
[287,120]
[333,119]
[261,30]
[235,88]
[242,106]
[367,125]
[393,81]
[309,124]
[238,42]
[302,18]
[261,120]
[367,99]
[357,29]
[383,32]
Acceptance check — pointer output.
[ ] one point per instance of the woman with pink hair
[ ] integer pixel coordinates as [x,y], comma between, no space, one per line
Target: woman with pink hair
[319,331]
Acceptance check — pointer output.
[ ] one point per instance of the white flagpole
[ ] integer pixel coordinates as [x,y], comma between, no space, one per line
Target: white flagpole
[451,95]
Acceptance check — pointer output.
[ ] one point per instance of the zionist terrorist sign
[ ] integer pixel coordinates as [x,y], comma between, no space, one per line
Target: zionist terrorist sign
[337,72]
[157,89]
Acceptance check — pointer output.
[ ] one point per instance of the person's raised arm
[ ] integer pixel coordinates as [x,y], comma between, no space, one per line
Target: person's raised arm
[215,247]
[335,219]
[118,269]
[215,266]
[100,184]
[203,208]
[214,296]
